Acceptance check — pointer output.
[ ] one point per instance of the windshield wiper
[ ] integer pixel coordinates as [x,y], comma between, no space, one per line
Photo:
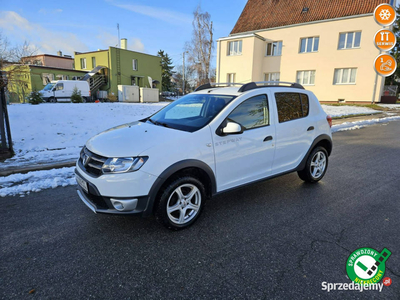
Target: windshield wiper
[159,123]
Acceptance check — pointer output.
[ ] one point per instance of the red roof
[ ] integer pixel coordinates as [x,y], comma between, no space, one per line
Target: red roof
[263,14]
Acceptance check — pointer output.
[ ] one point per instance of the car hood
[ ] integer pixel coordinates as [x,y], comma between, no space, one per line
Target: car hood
[131,139]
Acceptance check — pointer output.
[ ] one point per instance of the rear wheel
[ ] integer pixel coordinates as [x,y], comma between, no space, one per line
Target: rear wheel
[181,203]
[316,165]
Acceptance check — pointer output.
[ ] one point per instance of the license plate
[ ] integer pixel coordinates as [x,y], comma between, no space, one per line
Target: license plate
[82,183]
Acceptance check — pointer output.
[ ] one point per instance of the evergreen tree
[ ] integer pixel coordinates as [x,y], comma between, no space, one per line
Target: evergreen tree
[167,67]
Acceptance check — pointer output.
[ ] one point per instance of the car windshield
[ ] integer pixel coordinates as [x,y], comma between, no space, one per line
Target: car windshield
[191,112]
[48,87]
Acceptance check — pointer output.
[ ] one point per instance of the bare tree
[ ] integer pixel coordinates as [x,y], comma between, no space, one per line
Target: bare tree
[201,46]
[12,63]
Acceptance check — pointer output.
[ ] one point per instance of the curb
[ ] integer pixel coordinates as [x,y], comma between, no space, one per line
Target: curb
[38,168]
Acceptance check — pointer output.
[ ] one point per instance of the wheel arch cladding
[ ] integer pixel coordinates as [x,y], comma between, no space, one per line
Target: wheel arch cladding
[195,168]
[323,140]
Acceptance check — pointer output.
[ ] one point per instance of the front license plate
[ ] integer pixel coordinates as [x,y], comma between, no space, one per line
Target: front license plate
[82,183]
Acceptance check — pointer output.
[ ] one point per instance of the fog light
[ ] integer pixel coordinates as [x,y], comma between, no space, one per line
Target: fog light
[124,205]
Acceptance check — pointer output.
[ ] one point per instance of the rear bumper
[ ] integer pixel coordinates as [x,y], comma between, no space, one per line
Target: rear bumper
[110,205]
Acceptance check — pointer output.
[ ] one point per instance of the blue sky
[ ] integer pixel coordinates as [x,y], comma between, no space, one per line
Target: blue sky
[90,25]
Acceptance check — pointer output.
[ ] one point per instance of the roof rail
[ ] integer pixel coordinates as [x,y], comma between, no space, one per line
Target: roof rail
[215,85]
[260,84]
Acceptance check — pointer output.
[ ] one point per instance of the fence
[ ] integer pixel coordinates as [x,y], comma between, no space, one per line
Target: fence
[6,149]
[390,90]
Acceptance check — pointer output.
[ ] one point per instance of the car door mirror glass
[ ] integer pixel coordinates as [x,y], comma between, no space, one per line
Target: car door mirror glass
[232,128]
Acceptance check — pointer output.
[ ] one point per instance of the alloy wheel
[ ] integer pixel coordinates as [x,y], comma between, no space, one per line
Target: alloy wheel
[184,204]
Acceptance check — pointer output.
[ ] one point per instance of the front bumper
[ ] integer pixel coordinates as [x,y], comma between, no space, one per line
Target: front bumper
[118,204]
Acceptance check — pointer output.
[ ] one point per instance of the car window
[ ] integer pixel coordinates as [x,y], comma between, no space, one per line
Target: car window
[251,113]
[305,104]
[59,86]
[291,106]
[191,112]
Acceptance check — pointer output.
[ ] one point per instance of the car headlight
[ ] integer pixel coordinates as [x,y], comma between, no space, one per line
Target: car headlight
[123,164]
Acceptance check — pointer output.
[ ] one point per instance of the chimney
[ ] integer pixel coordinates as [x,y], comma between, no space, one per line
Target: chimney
[124,44]
[59,53]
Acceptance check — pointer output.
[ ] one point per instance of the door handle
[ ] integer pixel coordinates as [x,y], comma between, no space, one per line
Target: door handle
[310,128]
[268,138]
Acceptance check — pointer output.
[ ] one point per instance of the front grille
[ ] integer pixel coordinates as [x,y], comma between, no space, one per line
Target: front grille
[92,163]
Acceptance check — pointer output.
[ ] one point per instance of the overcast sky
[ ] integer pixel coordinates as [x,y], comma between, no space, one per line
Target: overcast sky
[92,24]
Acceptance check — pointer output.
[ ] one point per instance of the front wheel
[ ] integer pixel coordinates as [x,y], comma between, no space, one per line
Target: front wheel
[316,165]
[52,100]
[181,203]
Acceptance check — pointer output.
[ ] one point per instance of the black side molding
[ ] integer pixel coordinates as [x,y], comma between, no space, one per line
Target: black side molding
[188,163]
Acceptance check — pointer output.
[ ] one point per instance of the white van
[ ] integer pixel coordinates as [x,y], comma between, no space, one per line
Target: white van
[61,90]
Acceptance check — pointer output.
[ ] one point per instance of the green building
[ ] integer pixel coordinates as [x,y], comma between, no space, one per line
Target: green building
[122,67]
[24,79]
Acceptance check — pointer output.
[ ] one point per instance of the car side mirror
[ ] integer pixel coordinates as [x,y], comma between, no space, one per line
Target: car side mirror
[232,128]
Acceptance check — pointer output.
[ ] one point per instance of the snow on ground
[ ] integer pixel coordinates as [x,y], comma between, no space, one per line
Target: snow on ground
[390,106]
[340,111]
[48,132]
[360,124]
[23,184]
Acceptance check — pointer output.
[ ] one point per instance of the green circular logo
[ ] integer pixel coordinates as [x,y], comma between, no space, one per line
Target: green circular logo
[366,265]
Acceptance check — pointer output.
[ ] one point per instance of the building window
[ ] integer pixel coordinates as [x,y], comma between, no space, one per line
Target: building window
[345,76]
[93,62]
[274,49]
[231,78]
[349,40]
[310,44]
[252,113]
[291,106]
[235,48]
[47,77]
[272,76]
[134,64]
[83,63]
[306,77]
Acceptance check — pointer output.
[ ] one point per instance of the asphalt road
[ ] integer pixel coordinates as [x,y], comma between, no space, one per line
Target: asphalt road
[274,240]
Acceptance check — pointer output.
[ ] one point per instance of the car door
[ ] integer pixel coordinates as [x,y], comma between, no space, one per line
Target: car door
[295,130]
[248,156]
[60,92]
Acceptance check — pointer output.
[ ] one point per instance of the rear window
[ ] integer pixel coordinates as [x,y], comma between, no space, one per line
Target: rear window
[291,106]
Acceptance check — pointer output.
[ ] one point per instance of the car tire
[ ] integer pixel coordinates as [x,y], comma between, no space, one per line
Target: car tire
[316,166]
[52,100]
[180,203]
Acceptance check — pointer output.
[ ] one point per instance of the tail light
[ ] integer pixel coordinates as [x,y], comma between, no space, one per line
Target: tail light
[90,93]
[329,119]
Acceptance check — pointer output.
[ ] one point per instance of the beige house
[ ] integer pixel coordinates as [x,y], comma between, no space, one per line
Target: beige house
[325,45]
[49,60]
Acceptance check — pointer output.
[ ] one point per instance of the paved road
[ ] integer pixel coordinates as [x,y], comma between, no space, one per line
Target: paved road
[277,240]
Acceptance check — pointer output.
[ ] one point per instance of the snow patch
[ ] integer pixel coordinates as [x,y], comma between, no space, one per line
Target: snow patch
[360,124]
[23,184]
[340,111]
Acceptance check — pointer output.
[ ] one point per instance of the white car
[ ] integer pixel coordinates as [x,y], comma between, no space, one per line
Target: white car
[207,142]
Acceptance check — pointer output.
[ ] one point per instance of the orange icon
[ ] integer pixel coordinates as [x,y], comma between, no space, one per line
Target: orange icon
[385,14]
[385,40]
[385,65]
